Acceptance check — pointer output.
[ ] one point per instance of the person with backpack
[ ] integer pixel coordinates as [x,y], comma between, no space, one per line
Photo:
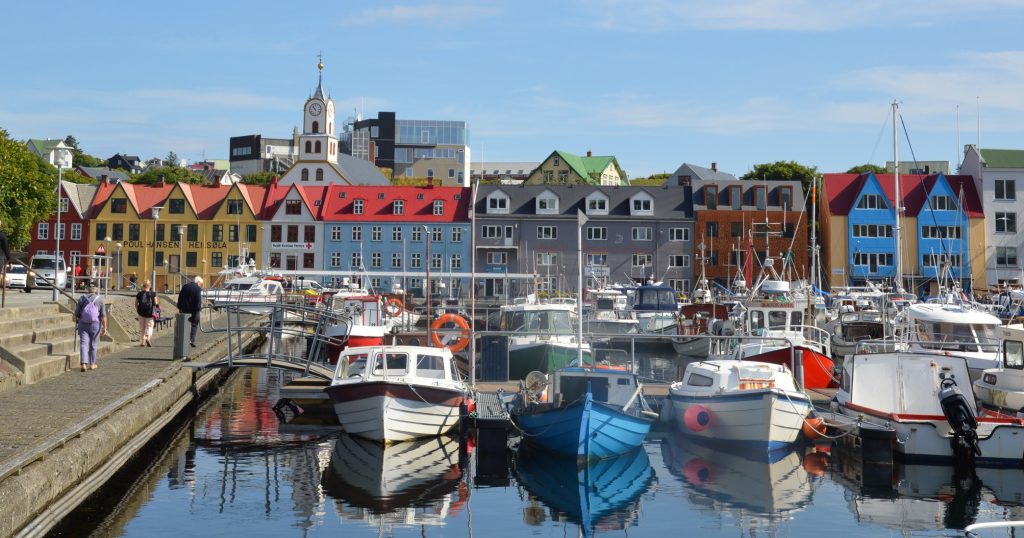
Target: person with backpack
[91,315]
[146,305]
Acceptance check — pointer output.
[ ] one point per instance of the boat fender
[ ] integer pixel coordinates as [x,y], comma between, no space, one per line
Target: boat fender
[470,406]
[697,471]
[697,418]
[813,427]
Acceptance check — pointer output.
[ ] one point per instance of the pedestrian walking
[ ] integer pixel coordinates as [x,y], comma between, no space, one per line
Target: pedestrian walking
[190,301]
[146,305]
[91,315]
[5,247]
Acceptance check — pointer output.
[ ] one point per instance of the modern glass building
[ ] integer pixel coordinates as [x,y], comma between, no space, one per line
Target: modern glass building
[436,149]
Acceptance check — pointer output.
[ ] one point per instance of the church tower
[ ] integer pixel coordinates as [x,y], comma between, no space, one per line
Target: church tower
[317,142]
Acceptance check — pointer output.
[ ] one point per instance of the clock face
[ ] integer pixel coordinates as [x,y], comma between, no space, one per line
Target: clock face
[315,109]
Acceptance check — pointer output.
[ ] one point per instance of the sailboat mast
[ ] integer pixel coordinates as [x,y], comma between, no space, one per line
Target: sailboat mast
[899,199]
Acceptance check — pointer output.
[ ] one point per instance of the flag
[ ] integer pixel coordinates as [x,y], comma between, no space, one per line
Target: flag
[581,218]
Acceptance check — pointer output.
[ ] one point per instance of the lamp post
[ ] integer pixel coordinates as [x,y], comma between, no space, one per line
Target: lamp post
[104,277]
[118,271]
[61,157]
[155,211]
[167,274]
[181,254]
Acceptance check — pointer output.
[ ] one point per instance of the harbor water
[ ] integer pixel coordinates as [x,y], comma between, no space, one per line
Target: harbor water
[233,469]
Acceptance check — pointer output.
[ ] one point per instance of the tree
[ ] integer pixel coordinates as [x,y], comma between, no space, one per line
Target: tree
[654,180]
[171,159]
[784,171]
[170,174]
[258,178]
[27,194]
[70,140]
[866,168]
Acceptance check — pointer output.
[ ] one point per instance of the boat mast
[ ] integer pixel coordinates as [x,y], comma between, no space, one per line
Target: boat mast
[899,200]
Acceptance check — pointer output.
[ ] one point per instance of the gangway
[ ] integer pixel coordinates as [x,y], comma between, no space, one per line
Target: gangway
[277,320]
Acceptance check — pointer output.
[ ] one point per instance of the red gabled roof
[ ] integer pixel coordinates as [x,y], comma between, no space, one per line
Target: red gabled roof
[310,195]
[254,196]
[381,208]
[275,193]
[102,193]
[842,190]
[145,197]
[205,199]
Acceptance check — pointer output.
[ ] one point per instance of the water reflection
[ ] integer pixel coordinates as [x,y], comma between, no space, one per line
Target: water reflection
[757,487]
[602,496]
[927,497]
[410,483]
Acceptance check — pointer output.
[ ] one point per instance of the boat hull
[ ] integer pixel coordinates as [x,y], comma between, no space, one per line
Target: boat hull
[586,429]
[765,418]
[542,357]
[390,411]
[994,397]
[817,368]
[692,346]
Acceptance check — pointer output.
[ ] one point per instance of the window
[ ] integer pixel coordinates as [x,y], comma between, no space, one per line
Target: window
[176,207]
[680,285]
[436,260]
[119,205]
[335,233]
[736,197]
[642,234]
[356,261]
[398,207]
[305,171]
[940,232]
[293,207]
[234,207]
[439,207]
[873,260]
[133,258]
[76,231]
[547,232]
[677,261]
[678,234]
[191,259]
[711,197]
[309,234]
[275,260]
[556,162]
[293,233]
[376,233]
[417,234]
[934,260]
[416,260]
[759,198]
[308,260]
[597,205]
[396,233]
[597,233]
[250,233]
[456,235]
[396,260]
[563,176]
[117,233]
[698,380]
[233,233]
[357,233]
[319,171]
[643,260]
[193,232]
[547,204]
[456,262]
[60,231]
[375,260]
[736,229]
[497,258]
[335,259]
[218,232]
[872,201]
[490,232]
[1006,189]
[437,234]
[546,258]
[357,207]
[44,230]
[877,230]
[943,203]
[597,260]
[101,231]
[786,198]
[275,233]
[134,232]
[497,204]
[641,205]
[1006,256]
[711,229]
[1006,223]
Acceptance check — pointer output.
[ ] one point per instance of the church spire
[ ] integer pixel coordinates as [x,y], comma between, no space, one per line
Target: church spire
[320,77]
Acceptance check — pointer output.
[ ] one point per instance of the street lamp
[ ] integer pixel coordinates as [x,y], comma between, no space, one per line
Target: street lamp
[167,274]
[61,157]
[155,212]
[103,279]
[181,254]
[426,281]
[118,268]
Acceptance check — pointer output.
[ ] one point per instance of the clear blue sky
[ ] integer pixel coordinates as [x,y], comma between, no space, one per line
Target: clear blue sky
[655,83]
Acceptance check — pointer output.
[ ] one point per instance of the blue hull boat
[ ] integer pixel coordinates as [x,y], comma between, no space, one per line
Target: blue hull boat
[594,414]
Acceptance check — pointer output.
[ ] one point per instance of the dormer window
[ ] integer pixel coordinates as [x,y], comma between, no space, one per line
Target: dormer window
[872,201]
[439,207]
[547,203]
[641,206]
[597,204]
[497,203]
[380,195]
[176,207]
[943,203]
[357,207]
[398,207]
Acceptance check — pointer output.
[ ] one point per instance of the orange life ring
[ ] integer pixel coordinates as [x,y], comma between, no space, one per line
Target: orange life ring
[394,306]
[459,322]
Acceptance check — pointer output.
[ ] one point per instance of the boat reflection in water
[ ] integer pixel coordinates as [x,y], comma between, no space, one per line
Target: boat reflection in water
[604,495]
[758,487]
[411,483]
[928,497]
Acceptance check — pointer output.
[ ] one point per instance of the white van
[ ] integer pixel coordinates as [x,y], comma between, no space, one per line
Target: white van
[44,269]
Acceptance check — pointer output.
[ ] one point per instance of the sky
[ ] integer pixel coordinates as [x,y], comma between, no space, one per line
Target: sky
[655,83]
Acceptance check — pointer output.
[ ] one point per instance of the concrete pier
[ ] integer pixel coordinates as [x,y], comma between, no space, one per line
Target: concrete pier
[62,437]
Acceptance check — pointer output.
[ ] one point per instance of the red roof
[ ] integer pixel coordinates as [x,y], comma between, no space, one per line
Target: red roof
[205,199]
[102,193]
[254,196]
[378,203]
[842,190]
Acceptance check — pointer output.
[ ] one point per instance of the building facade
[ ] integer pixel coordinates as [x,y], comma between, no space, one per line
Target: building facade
[433,149]
[564,168]
[292,231]
[75,207]
[501,172]
[996,173]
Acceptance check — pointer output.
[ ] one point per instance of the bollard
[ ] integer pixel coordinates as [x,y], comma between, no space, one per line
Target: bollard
[182,327]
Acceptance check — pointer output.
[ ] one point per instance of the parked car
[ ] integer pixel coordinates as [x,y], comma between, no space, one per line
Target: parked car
[45,269]
[16,276]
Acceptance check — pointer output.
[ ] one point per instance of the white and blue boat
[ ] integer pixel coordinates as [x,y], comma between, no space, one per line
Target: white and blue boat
[590,413]
[754,403]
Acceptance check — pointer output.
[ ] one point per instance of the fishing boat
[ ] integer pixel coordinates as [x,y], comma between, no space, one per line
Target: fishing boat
[589,413]
[602,496]
[541,336]
[361,323]
[1002,388]
[691,339]
[397,393]
[609,320]
[853,326]
[656,307]
[740,402]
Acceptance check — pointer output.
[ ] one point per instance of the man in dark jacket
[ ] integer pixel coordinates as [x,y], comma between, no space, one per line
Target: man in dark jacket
[5,248]
[190,301]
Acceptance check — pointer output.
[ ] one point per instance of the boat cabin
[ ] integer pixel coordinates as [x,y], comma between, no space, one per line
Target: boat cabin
[390,362]
[556,319]
[946,327]
[724,376]
[655,298]
[612,386]
[364,310]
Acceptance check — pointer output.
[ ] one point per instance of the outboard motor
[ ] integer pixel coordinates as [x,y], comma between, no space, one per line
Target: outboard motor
[961,419]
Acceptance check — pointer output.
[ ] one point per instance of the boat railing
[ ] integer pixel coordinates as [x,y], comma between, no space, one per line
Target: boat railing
[957,342]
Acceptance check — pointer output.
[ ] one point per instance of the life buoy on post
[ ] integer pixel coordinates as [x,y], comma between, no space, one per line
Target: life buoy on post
[394,306]
[459,322]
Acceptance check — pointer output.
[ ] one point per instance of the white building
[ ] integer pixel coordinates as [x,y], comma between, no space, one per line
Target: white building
[997,174]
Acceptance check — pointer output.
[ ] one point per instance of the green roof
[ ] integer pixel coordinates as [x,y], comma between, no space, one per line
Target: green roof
[42,147]
[585,166]
[1003,158]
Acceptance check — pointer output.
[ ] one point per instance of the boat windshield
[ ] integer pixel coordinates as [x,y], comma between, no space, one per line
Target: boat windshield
[553,321]
[237,286]
[957,336]
[656,297]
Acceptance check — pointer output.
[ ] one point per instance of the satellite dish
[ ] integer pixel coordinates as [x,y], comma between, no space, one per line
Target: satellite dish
[536,381]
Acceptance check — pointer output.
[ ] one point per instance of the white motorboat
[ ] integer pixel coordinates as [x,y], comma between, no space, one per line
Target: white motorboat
[928,400]
[609,320]
[246,289]
[542,336]
[1002,388]
[953,327]
[739,401]
[397,393]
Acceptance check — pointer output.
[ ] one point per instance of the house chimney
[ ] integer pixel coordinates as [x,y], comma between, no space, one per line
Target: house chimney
[273,181]
[590,153]
[104,178]
[162,182]
[714,167]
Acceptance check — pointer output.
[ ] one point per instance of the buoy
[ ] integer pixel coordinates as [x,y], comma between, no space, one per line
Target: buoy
[813,427]
[394,306]
[697,471]
[697,418]
[460,322]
